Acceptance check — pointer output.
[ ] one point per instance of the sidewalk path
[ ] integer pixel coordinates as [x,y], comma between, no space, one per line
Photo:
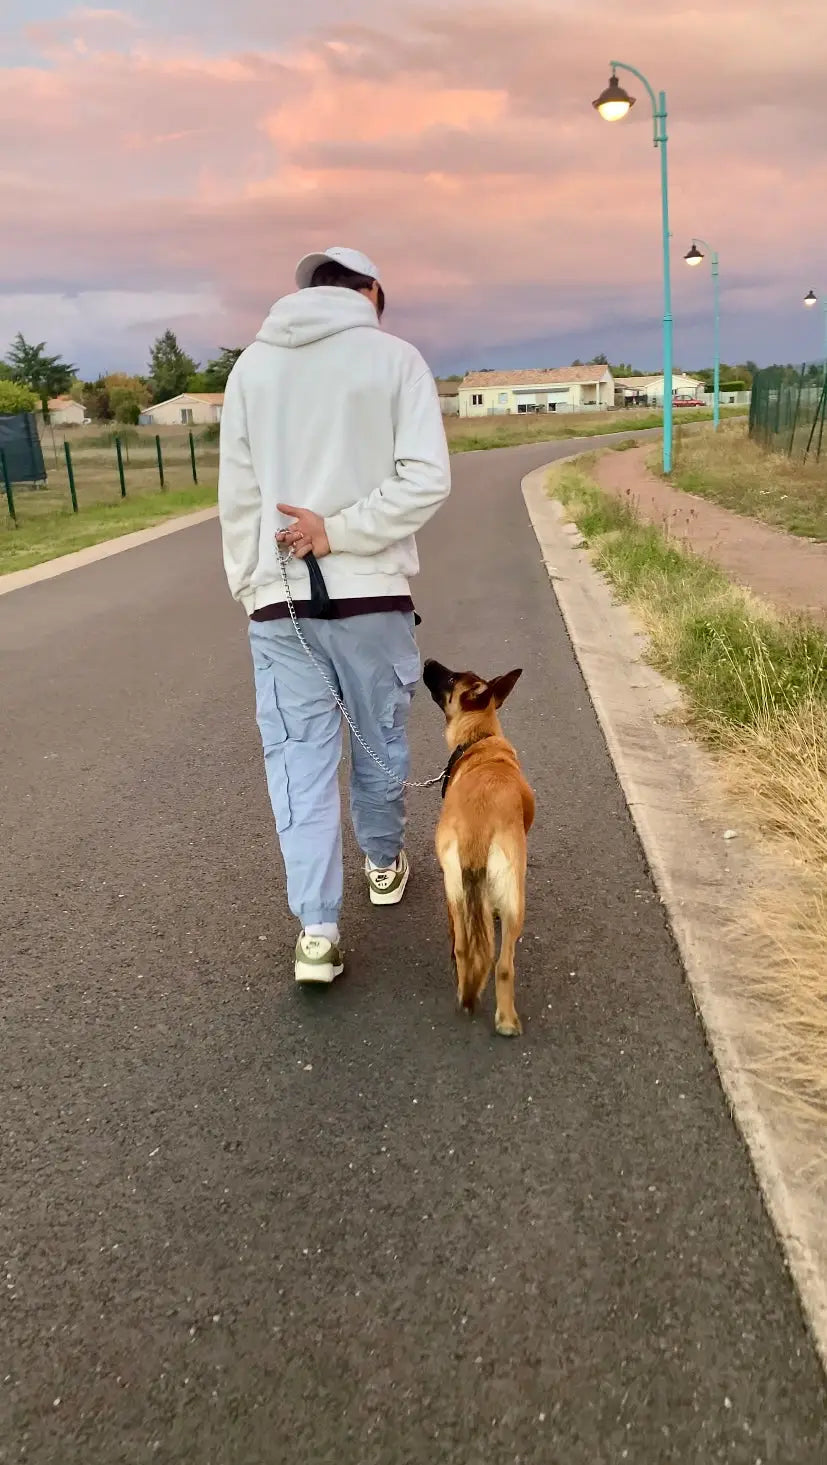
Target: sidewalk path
[242,1224]
[789,572]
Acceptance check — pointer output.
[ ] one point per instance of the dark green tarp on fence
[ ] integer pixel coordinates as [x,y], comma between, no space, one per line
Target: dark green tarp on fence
[21,444]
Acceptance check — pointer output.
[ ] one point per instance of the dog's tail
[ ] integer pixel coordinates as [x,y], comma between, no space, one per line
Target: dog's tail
[478,923]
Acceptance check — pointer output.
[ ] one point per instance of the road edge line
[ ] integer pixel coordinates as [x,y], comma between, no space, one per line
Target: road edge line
[663,774]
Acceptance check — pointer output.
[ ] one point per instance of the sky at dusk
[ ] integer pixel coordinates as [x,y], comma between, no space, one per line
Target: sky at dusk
[167,163]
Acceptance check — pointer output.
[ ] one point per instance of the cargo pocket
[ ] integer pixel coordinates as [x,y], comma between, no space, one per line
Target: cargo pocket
[406,673]
[274,742]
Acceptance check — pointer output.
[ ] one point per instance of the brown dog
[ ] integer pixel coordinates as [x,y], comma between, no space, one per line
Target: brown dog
[481,836]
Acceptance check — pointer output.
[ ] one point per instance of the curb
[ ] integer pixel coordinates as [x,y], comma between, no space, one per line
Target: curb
[19,579]
[665,777]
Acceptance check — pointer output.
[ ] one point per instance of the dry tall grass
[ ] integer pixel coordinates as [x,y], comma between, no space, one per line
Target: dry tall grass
[756,691]
[731,470]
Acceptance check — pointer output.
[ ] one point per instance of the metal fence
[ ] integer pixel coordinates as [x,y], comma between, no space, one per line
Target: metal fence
[91,470]
[788,409]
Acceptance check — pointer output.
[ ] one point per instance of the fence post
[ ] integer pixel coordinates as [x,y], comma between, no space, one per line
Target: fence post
[120,466]
[7,486]
[160,457]
[795,415]
[192,459]
[71,472]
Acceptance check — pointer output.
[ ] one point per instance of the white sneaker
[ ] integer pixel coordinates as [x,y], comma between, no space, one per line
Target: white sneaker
[317,959]
[387,887]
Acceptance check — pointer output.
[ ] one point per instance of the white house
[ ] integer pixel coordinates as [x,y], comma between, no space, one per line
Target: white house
[196,408]
[546,389]
[649,389]
[66,412]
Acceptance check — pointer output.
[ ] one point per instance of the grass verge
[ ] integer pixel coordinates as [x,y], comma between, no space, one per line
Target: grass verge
[474,434]
[731,470]
[755,689]
[48,536]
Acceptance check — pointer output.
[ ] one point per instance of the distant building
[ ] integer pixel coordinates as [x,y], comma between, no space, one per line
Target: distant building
[66,412]
[550,389]
[448,397]
[188,408]
[648,390]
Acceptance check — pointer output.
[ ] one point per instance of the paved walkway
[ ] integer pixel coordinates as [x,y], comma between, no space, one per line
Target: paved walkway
[244,1224]
[789,572]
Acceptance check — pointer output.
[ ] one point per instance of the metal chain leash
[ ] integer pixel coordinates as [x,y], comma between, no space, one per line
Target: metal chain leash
[284,560]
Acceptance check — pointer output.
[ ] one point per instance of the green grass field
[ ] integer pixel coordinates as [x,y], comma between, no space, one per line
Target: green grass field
[47,525]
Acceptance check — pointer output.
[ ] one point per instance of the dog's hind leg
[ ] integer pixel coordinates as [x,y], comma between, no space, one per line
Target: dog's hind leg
[506,1021]
[507,881]
[465,989]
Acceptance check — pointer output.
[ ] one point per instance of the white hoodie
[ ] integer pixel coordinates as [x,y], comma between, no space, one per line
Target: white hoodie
[327,412]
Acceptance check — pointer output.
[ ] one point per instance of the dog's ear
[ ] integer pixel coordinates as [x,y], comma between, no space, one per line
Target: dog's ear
[475,698]
[502,687]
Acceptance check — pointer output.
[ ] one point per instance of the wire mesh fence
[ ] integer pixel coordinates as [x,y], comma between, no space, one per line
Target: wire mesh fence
[788,408]
[89,468]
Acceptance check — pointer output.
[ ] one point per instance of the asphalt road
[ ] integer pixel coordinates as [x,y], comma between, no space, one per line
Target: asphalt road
[243,1224]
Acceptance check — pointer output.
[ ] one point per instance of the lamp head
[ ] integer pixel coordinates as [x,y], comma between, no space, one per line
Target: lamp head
[614,101]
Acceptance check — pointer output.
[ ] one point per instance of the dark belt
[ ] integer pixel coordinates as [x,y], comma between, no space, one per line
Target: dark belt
[320,602]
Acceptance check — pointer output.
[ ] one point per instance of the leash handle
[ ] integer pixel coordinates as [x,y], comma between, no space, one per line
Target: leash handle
[319,597]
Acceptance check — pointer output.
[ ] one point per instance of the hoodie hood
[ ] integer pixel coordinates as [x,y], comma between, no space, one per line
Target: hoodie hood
[313,314]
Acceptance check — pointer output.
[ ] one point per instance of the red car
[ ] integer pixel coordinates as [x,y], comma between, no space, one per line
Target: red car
[687,402]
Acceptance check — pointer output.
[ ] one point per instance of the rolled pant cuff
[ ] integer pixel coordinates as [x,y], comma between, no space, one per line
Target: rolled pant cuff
[318,915]
[382,859]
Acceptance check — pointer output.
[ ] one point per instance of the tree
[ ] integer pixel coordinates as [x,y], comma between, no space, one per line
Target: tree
[96,400]
[600,360]
[125,405]
[216,372]
[15,397]
[48,376]
[115,394]
[170,368]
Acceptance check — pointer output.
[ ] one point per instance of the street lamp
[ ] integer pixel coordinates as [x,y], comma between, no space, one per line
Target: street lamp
[613,104]
[694,256]
[811,299]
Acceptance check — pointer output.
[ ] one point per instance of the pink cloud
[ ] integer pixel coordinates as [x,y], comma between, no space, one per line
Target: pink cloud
[461,148]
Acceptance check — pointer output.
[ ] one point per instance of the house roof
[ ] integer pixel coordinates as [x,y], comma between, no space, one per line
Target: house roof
[447,389]
[213,399]
[539,377]
[639,382]
[55,403]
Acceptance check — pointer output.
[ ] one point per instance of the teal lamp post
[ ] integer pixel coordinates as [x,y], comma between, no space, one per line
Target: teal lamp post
[613,104]
[811,299]
[695,256]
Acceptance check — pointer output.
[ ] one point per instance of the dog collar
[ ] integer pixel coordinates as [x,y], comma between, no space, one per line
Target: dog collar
[459,752]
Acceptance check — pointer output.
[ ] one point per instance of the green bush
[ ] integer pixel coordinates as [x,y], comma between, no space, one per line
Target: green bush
[14,397]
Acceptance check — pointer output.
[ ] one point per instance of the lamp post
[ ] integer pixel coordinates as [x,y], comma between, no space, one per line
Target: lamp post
[613,104]
[811,299]
[694,256]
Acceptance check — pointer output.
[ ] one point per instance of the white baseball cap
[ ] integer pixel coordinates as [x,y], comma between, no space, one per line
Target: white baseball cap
[352,259]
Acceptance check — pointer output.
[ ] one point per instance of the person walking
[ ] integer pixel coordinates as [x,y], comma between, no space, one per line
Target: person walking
[332,445]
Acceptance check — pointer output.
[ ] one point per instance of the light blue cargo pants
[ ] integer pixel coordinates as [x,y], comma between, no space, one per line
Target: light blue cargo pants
[373,661]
